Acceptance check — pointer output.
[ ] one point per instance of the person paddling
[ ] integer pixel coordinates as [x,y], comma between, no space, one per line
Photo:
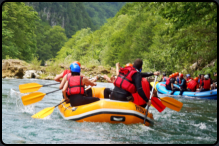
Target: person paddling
[129,82]
[74,87]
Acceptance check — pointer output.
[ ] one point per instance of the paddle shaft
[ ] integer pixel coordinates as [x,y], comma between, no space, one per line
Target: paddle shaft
[53,91]
[50,84]
[150,99]
[59,103]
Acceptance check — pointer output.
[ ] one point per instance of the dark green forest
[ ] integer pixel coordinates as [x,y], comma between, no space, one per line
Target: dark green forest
[168,36]
[51,25]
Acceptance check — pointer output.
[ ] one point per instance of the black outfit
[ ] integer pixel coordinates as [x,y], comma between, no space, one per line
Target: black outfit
[88,92]
[107,93]
[172,80]
[122,95]
[78,99]
[182,89]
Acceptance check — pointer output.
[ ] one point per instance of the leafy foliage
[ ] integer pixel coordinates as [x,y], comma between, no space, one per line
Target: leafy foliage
[168,37]
[18,30]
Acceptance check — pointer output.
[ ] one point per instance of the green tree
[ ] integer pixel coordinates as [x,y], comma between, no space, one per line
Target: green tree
[18,30]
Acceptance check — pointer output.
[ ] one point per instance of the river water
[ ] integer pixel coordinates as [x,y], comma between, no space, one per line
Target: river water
[196,123]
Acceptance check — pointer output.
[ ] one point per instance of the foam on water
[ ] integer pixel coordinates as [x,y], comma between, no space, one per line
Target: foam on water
[196,123]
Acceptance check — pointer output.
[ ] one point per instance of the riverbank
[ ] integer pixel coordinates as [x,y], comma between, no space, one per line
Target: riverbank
[15,68]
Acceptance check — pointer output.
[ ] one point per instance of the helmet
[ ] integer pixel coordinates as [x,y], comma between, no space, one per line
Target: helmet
[181,75]
[177,73]
[74,67]
[196,79]
[164,74]
[170,76]
[188,75]
[128,64]
[77,63]
[206,76]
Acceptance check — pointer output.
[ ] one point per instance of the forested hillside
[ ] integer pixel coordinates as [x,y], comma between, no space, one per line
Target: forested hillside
[72,16]
[25,36]
[168,37]
[100,11]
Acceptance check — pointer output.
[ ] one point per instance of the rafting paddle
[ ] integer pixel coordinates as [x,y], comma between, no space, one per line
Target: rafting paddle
[31,87]
[34,97]
[49,110]
[45,112]
[171,103]
[149,99]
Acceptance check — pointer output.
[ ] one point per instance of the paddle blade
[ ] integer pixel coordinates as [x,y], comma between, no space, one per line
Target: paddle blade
[43,113]
[32,98]
[172,103]
[157,104]
[29,87]
[152,84]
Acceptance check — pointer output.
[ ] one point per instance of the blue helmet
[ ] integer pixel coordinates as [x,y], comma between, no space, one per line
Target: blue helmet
[188,75]
[74,67]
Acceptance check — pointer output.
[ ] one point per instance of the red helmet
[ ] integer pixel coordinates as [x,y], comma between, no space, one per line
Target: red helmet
[181,75]
[196,79]
[174,75]
[177,73]
[171,76]
[128,64]
[77,63]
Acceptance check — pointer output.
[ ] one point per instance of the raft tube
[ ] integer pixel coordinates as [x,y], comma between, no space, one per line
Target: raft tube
[106,110]
[212,94]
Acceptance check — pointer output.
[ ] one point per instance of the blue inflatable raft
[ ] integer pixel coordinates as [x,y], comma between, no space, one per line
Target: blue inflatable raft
[212,94]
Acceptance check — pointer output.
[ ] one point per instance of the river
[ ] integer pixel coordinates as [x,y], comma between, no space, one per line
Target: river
[196,123]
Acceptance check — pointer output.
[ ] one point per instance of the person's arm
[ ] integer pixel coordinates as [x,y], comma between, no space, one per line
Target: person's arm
[63,82]
[58,77]
[87,82]
[107,78]
[117,68]
[146,74]
[64,92]
[137,82]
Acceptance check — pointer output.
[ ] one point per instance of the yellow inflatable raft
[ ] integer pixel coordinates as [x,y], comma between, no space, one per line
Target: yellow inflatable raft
[106,110]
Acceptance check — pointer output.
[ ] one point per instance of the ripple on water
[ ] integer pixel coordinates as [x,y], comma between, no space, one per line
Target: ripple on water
[196,123]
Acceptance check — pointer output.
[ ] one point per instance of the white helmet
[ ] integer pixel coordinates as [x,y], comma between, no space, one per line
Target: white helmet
[206,76]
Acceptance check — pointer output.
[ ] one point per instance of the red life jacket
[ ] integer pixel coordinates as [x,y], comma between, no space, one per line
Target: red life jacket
[179,81]
[207,84]
[188,82]
[192,85]
[74,85]
[66,72]
[146,88]
[168,81]
[124,79]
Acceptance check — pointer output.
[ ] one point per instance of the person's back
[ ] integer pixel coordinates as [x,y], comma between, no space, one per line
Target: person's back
[129,81]
[193,85]
[170,81]
[124,85]
[74,84]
